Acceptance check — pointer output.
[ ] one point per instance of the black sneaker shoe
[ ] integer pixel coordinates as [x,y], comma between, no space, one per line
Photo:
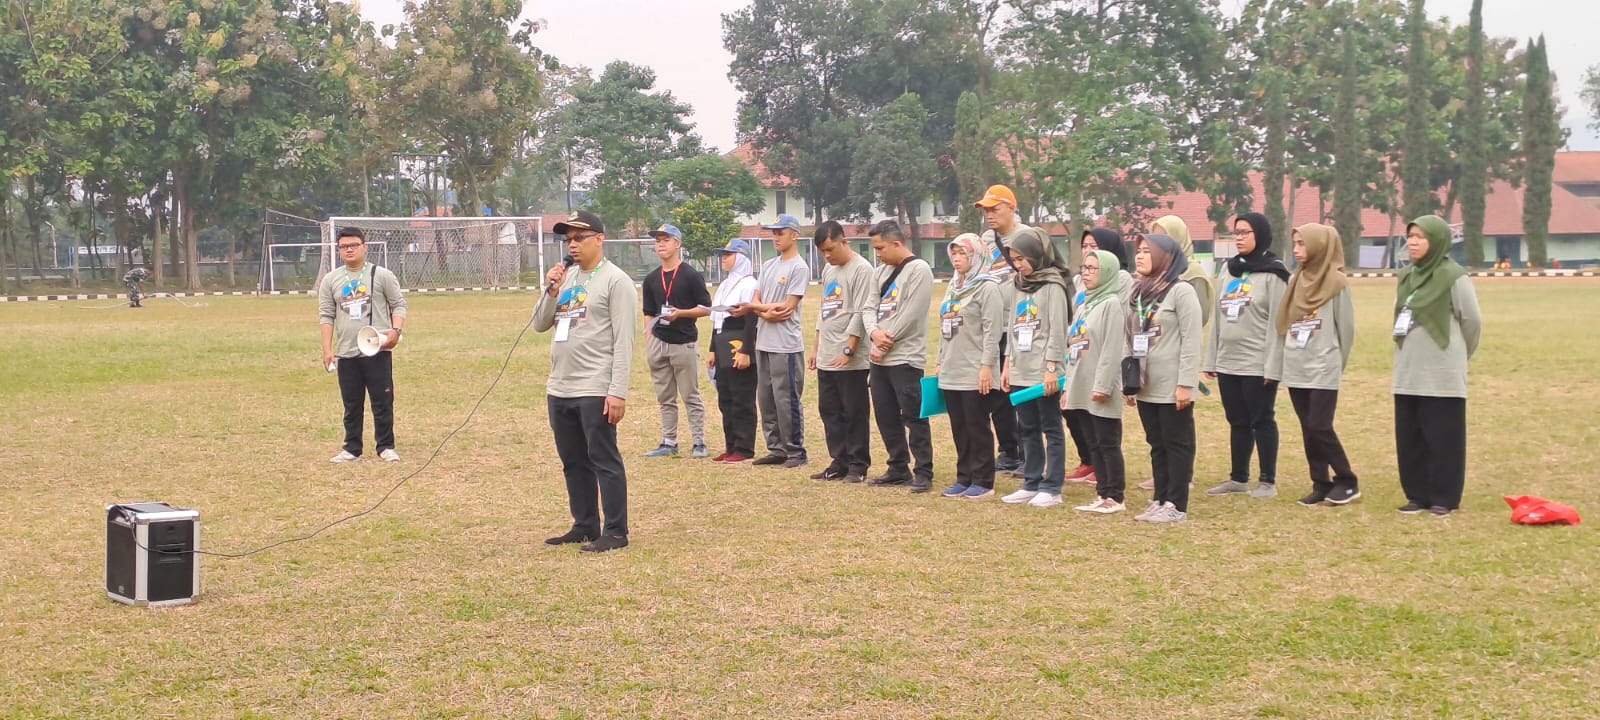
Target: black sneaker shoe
[853,479]
[1440,511]
[572,537]
[1319,492]
[826,475]
[1410,508]
[921,485]
[606,543]
[771,459]
[1344,494]
[889,480]
[1007,463]
[795,462]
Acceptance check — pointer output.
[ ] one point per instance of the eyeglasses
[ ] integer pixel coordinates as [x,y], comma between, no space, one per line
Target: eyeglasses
[347,246]
[581,238]
[1244,232]
[1090,269]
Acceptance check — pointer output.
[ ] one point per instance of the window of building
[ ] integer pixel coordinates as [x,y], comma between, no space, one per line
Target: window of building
[782,201]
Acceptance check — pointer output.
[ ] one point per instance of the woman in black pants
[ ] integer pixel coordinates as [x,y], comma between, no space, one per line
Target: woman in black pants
[733,342]
[1244,343]
[972,319]
[1164,337]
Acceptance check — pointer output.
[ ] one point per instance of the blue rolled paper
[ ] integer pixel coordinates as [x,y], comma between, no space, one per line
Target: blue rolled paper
[1034,393]
[932,397]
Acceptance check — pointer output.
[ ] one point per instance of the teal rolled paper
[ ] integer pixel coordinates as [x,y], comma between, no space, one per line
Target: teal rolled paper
[932,397]
[1034,393]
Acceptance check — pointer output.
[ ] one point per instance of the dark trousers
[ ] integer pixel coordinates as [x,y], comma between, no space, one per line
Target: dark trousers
[736,397]
[591,462]
[1044,452]
[1104,436]
[1081,442]
[1250,405]
[360,377]
[1315,408]
[1170,434]
[969,427]
[1004,418]
[1430,438]
[843,403]
[897,406]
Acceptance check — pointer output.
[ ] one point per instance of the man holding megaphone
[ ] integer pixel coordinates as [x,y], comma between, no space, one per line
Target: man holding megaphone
[363,312]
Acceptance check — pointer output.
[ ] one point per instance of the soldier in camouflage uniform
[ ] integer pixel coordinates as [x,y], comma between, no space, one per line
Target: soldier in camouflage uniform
[134,281]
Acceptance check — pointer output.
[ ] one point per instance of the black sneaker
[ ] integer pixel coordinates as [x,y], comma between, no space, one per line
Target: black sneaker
[921,485]
[1344,494]
[826,475]
[771,459]
[853,479]
[1319,492]
[606,543]
[572,537]
[887,480]
[795,462]
[1007,463]
[1440,511]
[1410,508]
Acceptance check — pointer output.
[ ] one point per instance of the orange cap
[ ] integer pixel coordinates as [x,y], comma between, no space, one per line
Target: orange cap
[995,195]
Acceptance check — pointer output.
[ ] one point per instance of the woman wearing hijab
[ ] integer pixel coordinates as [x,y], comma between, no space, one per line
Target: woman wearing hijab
[1244,343]
[972,320]
[1094,240]
[1316,326]
[1037,348]
[1194,274]
[1164,337]
[733,340]
[1094,377]
[1436,331]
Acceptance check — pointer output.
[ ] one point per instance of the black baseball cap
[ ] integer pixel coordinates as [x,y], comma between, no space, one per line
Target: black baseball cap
[584,220]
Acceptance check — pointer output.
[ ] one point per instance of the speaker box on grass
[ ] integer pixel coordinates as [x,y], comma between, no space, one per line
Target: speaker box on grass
[150,558]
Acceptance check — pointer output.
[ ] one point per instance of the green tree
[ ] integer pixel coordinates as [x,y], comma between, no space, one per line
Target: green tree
[1414,164]
[1273,162]
[711,176]
[707,223]
[1541,137]
[1474,180]
[893,166]
[1590,92]
[1347,196]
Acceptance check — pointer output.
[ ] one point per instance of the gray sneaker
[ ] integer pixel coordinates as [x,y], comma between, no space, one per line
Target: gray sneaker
[1168,513]
[699,452]
[1149,510]
[1229,487]
[1264,491]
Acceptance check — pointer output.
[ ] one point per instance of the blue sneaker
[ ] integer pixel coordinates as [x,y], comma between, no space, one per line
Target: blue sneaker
[977,492]
[664,450]
[956,490]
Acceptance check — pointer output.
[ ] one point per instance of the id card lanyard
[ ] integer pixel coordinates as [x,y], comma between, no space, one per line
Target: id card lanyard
[1402,322]
[1141,341]
[666,300]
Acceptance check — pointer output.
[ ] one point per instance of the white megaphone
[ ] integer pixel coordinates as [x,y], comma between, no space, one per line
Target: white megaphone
[370,340]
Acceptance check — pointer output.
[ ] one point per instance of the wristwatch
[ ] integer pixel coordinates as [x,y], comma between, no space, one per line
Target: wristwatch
[847,351]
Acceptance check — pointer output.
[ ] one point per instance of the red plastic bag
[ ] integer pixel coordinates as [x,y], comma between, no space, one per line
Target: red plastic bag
[1530,510]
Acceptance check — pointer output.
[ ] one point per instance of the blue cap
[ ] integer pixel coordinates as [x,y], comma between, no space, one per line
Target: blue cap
[737,246]
[785,222]
[668,229]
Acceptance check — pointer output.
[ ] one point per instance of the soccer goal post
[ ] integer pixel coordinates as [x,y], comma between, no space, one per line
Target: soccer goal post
[441,252]
[301,266]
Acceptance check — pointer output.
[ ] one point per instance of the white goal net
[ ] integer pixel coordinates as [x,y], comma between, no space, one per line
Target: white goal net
[429,252]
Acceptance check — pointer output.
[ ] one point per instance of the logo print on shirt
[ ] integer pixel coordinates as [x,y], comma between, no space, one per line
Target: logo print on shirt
[832,300]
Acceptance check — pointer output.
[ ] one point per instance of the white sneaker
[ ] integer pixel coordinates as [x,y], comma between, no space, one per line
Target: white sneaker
[1019,497]
[1091,506]
[1107,506]
[1149,510]
[1168,513]
[390,455]
[344,456]
[1045,500]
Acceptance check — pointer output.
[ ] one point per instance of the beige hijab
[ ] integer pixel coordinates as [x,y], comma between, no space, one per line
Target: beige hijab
[1320,278]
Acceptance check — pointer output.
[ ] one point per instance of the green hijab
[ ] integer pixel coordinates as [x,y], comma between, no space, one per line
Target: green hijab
[1425,286]
[1110,280]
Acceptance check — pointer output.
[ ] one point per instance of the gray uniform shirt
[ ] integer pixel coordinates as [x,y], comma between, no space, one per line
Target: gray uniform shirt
[780,279]
[847,292]
[1174,355]
[1423,368]
[1317,348]
[593,314]
[1094,358]
[902,311]
[1038,333]
[348,299]
[970,331]
[1244,328]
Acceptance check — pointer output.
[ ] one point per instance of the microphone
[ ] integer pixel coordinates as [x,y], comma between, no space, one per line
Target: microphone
[567,262]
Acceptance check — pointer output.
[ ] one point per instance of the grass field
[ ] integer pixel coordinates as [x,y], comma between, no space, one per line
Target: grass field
[749,592]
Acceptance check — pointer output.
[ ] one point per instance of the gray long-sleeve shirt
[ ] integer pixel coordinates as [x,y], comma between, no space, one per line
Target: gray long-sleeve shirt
[348,299]
[1174,355]
[591,354]
[847,292]
[970,332]
[1317,348]
[1039,323]
[1244,328]
[1094,359]
[902,312]
[1423,368]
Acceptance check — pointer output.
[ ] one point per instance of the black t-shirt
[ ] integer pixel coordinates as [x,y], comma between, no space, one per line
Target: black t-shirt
[688,292]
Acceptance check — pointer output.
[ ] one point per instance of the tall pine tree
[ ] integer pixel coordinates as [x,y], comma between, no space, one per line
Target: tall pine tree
[1474,180]
[1418,196]
[1540,137]
[1347,150]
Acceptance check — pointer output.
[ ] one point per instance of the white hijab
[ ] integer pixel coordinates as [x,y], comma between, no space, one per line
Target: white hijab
[738,287]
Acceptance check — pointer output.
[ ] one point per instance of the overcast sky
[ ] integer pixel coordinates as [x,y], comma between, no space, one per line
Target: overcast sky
[682,41]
